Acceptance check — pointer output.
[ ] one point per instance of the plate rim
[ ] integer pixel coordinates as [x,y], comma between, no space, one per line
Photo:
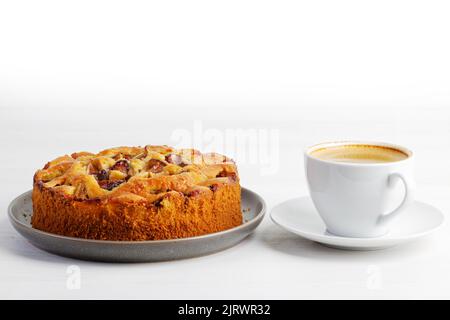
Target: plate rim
[357,242]
[19,224]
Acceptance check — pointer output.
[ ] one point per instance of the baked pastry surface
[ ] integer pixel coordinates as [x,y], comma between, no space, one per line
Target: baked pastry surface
[137,193]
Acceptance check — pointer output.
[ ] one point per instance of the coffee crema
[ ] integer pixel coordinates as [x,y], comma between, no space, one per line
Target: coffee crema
[359,153]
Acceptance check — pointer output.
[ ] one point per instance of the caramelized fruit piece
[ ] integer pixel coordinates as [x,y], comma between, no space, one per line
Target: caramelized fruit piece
[122,166]
[194,193]
[231,175]
[175,159]
[214,187]
[155,166]
[109,185]
[102,175]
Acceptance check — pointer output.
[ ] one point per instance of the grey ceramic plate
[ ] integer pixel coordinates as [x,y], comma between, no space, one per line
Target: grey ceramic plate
[20,212]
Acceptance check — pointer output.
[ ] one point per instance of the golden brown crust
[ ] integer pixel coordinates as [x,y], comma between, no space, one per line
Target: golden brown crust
[137,193]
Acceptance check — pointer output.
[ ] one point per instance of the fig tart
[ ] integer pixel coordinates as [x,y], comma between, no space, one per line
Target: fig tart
[137,193]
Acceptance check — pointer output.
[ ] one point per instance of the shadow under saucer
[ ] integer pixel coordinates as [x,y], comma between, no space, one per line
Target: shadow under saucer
[276,238]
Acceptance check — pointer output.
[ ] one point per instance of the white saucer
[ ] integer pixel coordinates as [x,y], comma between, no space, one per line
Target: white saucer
[299,216]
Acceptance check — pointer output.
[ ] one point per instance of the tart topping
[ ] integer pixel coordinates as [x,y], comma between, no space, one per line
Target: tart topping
[194,193]
[136,166]
[77,155]
[155,166]
[109,185]
[121,165]
[175,159]
[117,175]
[103,162]
[172,169]
[214,187]
[102,175]
[231,175]
[90,176]
[121,156]
[161,202]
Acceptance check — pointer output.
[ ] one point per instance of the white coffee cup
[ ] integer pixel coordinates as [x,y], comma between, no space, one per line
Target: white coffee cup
[359,199]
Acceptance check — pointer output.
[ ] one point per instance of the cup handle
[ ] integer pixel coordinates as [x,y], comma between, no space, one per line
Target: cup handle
[392,179]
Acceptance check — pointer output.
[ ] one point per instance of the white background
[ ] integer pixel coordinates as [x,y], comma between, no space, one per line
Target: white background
[87,75]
